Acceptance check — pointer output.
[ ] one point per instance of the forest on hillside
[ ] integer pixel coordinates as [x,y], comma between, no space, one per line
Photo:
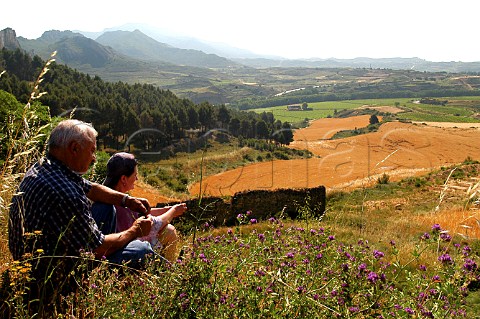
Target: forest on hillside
[119,111]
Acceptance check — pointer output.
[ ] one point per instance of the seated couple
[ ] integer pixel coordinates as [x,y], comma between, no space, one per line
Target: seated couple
[122,173]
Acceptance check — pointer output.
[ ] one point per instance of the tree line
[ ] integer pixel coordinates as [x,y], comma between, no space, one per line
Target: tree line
[139,114]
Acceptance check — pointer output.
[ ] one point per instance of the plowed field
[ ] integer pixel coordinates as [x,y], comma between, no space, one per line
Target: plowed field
[398,149]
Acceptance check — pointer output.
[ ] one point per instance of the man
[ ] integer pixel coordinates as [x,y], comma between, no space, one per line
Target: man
[53,199]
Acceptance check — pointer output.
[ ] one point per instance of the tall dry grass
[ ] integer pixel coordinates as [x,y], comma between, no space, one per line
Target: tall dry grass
[24,139]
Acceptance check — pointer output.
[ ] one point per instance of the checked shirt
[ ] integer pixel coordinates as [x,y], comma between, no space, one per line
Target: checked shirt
[52,199]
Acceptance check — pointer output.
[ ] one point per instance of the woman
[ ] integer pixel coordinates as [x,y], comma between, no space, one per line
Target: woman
[122,173]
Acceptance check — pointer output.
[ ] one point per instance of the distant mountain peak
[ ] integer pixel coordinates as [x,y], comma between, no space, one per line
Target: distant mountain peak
[53,36]
[8,39]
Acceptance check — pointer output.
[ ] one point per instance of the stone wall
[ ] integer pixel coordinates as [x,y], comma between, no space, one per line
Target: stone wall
[261,204]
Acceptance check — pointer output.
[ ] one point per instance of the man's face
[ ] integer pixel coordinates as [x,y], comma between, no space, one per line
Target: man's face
[85,155]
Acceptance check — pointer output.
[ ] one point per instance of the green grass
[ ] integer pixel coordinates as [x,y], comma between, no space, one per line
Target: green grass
[459,109]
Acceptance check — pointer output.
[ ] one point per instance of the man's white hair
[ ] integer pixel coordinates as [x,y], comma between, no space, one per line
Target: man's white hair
[68,131]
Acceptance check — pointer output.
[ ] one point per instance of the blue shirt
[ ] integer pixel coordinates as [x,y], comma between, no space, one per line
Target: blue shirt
[52,199]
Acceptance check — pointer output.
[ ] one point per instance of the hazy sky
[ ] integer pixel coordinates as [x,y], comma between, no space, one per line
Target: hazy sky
[434,30]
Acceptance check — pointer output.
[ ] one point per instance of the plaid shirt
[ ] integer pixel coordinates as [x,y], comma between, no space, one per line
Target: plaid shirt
[52,199]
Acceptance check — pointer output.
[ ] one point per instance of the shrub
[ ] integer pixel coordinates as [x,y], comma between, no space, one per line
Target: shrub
[383,179]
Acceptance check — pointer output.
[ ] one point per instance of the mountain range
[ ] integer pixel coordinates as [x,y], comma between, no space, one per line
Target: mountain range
[189,67]
[144,43]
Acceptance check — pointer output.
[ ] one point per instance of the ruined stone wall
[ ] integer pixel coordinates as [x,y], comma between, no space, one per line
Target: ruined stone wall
[261,204]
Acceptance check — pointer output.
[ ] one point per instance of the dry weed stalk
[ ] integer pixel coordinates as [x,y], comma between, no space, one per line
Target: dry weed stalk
[22,137]
[444,190]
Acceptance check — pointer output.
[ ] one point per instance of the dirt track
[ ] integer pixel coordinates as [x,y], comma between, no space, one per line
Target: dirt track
[398,149]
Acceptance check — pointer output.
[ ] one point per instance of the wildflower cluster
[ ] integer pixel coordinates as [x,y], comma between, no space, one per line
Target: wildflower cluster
[290,271]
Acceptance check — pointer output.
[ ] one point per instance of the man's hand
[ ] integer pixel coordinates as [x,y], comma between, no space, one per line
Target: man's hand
[143,225]
[140,205]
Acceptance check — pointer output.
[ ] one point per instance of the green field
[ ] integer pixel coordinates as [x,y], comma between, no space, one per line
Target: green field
[458,109]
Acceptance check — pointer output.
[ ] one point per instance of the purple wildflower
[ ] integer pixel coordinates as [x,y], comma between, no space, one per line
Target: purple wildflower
[261,237]
[354,309]
[445,258]
[445,237]
[331,237]
[301,289]
[422,267]
[290,255]
[433,292]
[409,310]
[470,265]
[378,254]
[436,228]
[259,273]
[421,296]
[253,221]
[373,277]
[425,236]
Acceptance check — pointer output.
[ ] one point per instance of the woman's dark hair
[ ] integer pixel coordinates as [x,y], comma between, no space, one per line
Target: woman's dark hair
[118,165]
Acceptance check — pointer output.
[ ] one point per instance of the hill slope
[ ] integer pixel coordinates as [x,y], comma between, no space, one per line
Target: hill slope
[137,45]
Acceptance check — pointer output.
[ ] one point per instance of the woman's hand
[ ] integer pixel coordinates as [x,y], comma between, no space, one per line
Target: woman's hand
[178,209]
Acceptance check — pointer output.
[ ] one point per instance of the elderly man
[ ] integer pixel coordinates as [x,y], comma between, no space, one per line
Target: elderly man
[53,199]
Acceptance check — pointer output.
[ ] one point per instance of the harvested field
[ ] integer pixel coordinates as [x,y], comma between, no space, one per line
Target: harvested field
[450,124]
[397,149]
[324,129]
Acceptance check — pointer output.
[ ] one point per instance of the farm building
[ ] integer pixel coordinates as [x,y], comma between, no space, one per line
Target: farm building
[294,107]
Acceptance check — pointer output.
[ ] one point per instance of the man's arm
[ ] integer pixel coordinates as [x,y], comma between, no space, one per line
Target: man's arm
[104,194]
[113,242]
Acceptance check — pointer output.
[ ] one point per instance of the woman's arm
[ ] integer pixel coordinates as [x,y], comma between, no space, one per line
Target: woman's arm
[172,212]
[159,211]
